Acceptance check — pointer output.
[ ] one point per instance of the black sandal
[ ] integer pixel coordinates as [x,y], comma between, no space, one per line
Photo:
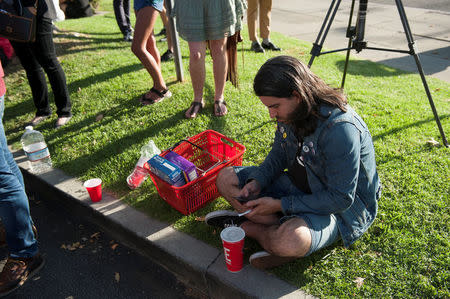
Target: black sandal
[165,94]
[192,107]
[218,111]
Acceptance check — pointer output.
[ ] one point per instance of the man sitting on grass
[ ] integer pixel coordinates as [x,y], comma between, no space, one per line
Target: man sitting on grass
[319,182]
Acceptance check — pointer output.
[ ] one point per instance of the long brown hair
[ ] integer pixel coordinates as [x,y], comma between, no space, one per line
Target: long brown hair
[282,75]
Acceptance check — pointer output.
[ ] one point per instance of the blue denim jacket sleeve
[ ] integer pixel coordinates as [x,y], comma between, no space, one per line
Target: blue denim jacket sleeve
[339,155]
[274,164]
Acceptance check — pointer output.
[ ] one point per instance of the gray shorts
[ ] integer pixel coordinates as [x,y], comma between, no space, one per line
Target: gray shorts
[323,228]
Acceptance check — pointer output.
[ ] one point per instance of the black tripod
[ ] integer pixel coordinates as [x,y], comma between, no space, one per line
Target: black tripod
[356,41]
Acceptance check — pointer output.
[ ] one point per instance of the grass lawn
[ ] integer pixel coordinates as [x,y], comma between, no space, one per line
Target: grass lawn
[406,251]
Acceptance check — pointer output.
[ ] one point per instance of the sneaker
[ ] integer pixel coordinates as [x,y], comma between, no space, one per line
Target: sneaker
[224,219]
[62,121]
[265,260]
[3,235]
[128,37]
[270,46]
[18,270]
[167,56]
[256,47]
[38,119]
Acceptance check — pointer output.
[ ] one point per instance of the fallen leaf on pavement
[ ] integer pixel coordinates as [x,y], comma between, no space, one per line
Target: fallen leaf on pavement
[95,235]
[117,276]
[63,246]
[114,246]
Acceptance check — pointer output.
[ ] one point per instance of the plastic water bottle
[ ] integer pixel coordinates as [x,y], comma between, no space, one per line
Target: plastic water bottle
[139,174]
[34,146]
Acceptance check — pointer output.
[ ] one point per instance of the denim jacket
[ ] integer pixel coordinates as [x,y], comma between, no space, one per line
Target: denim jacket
[340,164]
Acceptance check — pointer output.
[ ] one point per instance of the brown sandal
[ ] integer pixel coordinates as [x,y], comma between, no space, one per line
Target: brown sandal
[218,111]
[193,112]
[165,94]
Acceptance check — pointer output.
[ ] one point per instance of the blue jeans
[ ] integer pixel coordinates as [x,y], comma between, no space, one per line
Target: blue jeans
[323,228]
[14,209]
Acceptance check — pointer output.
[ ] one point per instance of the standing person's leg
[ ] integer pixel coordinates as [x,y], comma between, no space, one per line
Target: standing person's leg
[23,257]
[44,50]
[119,13]
[126,11]
[252,16]
[36,79]
[219,56]
[197,52]
[265,9]
[144,47]
[168,55]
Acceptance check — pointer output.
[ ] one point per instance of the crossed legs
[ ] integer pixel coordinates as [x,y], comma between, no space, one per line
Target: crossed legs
[292,238]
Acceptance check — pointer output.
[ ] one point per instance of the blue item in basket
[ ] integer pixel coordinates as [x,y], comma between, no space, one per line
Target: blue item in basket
[188,168]
[166,170]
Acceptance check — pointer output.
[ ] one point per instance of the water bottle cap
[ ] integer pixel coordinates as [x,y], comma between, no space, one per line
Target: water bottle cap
[29,128]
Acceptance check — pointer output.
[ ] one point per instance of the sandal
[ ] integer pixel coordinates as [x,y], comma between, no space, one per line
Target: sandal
[165,94]
[194,109]
[218,111]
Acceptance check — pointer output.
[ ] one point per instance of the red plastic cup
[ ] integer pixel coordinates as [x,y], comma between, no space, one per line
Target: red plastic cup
[233,245]
[94,188]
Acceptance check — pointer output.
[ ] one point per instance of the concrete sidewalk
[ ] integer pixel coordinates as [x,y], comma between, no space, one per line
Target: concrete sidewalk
[195,263]
[303,19]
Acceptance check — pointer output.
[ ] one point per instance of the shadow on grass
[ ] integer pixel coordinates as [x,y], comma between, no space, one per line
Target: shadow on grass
[368,68]
[414,124]
[19,108]
[102,77]
[113,148]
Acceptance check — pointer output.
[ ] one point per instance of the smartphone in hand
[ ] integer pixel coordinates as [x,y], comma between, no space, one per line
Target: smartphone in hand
[245,199]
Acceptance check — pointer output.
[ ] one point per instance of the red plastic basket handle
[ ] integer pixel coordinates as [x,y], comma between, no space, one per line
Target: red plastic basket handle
[185,140]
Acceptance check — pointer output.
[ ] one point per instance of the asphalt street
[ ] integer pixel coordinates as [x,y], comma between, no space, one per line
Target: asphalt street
[85,262]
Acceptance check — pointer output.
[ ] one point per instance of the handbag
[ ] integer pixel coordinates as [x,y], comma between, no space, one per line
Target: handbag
[16,22]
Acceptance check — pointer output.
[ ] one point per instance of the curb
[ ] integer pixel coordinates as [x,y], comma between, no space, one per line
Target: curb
[195,263]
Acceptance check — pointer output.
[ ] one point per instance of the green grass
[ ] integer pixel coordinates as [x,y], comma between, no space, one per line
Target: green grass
[406,251]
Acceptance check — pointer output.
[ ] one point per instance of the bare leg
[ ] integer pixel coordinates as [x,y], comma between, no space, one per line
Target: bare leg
[144,46]
[166,23]
[197,51]
[219,56]
[290,239]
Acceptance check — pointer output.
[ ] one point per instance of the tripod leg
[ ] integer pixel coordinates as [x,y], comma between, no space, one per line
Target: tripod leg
[350,37]
[317,46]
[413,52]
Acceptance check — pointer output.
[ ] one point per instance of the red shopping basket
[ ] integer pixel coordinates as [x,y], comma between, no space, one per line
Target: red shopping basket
[210,151]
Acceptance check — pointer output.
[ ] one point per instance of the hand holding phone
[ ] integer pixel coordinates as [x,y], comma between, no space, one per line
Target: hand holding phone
[245,199]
